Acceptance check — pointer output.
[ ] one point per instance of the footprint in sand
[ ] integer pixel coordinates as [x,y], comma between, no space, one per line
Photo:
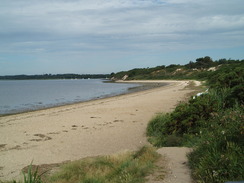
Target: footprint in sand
[116,121]
[2,145]
[74,127]
[42,137]
[94,117]
[17,147]
[106,123]
[53,133]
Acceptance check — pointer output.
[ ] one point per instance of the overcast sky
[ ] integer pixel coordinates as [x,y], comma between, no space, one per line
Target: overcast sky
[104,36]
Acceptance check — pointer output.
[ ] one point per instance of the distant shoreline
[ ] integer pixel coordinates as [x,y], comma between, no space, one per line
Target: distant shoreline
[54,76]
[144,86]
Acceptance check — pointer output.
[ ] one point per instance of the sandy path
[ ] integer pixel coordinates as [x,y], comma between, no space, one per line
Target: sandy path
[176,165]
[75,131]
[172,166]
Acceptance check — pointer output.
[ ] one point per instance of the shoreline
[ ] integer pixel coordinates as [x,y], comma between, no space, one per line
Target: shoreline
[144,86]
[92,128]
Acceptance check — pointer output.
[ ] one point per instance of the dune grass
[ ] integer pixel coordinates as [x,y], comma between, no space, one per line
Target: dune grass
[119,168]
[127,167]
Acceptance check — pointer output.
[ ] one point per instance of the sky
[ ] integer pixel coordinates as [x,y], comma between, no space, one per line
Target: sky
[104,36]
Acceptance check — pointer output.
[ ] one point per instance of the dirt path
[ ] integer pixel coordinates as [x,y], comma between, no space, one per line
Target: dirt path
[172,166]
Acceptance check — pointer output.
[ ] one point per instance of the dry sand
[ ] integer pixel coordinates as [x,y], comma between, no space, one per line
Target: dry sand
[76,131]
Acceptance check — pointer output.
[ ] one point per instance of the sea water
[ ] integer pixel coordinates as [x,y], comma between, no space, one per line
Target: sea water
[25,95]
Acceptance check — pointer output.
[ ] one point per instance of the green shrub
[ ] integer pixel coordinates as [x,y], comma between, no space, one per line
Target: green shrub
[156,126]
[219,157]
[156,129]
[230,76]
[188,118]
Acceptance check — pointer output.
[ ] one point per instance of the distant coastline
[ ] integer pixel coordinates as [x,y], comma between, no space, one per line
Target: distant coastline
[54,76]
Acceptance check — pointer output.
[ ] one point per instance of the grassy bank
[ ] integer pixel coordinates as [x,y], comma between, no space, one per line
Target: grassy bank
[126,167]
[212,124]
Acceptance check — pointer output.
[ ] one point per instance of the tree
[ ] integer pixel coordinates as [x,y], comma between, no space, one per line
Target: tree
[205,62]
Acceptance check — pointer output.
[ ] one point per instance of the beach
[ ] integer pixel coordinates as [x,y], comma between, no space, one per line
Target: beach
[71,132]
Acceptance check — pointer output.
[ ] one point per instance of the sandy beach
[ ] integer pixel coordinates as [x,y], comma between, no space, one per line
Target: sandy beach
[71,132]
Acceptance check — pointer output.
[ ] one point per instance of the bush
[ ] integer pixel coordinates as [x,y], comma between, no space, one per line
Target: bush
[219,157]
[156,129]
[156,126]
[188,118]
[230,77]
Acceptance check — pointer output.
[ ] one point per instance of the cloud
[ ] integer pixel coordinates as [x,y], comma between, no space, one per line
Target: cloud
[114,17]
[118,26]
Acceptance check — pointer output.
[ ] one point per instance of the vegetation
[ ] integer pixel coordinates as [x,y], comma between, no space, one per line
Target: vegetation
[200,70]
[219,155]
[128,167]
[212,124]
[55,76]
[32,177]
[29,177]
[121,168]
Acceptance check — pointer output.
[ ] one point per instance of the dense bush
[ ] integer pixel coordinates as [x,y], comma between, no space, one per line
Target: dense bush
[187,118]
[230,77]
[219,157]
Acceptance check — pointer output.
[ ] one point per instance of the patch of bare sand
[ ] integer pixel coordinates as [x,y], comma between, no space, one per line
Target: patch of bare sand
[76,131]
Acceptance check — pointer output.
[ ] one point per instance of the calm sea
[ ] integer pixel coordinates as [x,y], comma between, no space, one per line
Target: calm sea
[24,95]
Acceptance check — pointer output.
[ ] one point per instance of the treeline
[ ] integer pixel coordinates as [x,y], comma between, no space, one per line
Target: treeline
[212,124]
[200,69]
[55,76]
